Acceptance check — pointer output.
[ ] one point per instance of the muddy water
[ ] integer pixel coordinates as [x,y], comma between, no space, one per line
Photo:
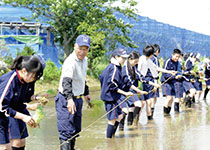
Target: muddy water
[188,130]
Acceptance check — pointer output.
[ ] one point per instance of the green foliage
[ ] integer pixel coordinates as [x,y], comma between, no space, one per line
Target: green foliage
[4,52]
[27,51]
[69,18]
[3,72]
[195,68]
[51,92]
[3,48]
[51,72]
[98,65]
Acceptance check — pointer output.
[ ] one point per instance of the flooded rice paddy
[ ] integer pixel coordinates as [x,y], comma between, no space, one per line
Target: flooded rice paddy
[188,130]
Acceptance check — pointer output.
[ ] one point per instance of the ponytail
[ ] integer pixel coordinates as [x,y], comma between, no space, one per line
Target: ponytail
[17,63]
[32,64]
[131,70]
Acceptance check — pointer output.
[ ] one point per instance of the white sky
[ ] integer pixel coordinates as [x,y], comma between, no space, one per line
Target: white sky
[192,15]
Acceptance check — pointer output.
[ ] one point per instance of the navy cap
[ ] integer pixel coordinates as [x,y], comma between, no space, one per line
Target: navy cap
[120,52]
[83,40]
[41,60]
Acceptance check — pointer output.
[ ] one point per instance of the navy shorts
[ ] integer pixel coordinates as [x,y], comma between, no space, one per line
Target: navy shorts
[68,125]
[173,89]
[18,129]
[4,129]
[148,88]
[115,113]
[208,82]
[187,86]
[129,102]
[198,85]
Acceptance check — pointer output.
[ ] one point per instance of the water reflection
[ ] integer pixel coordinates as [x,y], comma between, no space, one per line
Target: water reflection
[188,130]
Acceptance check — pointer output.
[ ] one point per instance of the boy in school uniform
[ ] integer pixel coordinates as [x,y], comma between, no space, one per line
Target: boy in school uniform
[111,90]
[155,61]
[150,72]
[172,84]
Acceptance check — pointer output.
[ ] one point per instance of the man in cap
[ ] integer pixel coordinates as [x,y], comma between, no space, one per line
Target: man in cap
[72,86]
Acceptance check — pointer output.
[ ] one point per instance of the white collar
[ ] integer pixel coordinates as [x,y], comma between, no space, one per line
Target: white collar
[114,61]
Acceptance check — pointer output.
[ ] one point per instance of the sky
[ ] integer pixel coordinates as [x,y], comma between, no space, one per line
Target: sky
[192,15]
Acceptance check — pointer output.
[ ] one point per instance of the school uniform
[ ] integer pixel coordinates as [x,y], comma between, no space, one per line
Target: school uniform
[189,64]
[12,95]
[127,83]
[172,86]
[149,71]
[111,81]
[207,74]
[156,61]
[16,126]
[198,84]
[71,86]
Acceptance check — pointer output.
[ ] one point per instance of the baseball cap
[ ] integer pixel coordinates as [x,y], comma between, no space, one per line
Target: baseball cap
[83,40]
[120,52]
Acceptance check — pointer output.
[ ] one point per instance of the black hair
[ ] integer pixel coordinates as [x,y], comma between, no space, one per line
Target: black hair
[177,51]
[156,47]
[148,50]
[133,55]
[32,64]
[186,56]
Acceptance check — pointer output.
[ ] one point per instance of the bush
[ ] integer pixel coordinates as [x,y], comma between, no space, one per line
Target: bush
[51,71]
[27,51]
[98,67]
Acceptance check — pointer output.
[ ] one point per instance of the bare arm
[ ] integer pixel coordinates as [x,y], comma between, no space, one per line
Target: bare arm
[27,119]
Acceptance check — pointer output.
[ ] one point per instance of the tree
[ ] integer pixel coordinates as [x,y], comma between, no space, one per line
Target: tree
[96,18]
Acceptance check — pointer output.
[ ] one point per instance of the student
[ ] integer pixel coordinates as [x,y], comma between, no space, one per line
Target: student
[18,134]
[207,76]
[172,84]
[130,78]
[155,61]
[189,74]
[25,69]
[150,71]
[199,70]
[68,101]
[111,89]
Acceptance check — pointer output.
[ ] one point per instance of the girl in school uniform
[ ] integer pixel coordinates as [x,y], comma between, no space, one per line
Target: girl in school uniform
[207,76]
[188,83]
[199,77]
[25,69]
[111,90]
[18,134]
[130,78]
[150,71]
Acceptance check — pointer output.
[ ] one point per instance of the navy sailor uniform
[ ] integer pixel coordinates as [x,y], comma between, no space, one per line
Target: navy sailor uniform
[12,97]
